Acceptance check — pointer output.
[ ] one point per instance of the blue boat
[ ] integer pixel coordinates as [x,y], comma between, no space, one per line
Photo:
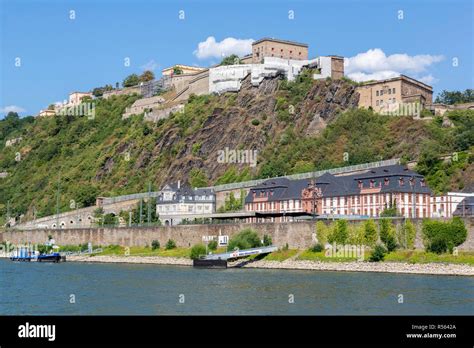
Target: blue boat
[24,254]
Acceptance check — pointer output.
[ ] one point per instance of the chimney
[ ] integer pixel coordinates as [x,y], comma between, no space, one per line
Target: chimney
[179,184]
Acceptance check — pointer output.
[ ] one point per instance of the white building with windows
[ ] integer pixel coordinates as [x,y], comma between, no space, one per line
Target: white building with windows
[176,203]
[445,205]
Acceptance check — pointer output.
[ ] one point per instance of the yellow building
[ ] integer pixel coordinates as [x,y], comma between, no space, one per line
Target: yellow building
[387,95]
[269,47]
[76,97]
[47,112]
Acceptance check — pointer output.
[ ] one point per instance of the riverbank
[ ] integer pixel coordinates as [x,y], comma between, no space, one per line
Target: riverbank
[352,266]
[157,260]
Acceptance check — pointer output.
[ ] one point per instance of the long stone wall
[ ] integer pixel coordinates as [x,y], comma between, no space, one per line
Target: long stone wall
[296,234]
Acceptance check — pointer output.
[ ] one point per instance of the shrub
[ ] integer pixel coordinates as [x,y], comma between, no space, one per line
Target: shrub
[198,250]
[170,244]
[458,231]
[440,245]
[370,236]
[267,240]
[212,245]
[245,239]
[443,236]
[322,232]
[316,248]
[255,122]
[155,245]
[387,234]
[285,247]
[378,254]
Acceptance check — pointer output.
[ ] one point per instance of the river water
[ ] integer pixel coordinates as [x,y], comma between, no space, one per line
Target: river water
[109,289]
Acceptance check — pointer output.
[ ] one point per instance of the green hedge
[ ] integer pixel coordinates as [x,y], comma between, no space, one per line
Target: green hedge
[442,236]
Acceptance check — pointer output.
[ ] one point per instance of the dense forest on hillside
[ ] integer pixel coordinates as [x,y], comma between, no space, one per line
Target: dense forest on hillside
[296,127]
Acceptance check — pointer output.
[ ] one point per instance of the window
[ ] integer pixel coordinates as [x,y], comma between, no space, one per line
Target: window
[381,92]
[377,93]
[389,91]
[377,103]
[393,90]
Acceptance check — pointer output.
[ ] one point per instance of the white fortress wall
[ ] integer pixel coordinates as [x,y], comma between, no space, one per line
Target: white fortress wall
[324,63]
[228,78]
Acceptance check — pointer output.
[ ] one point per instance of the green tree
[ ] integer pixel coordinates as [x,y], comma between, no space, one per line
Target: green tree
[86,195]
[212,245]
[147,76]
[370,233]
[197,251]
[131,80]
[232,204]
[442,236]
[340,232]
[356,234]
[455,97]
[177,71]
[267,240]
[98,215]
[245,239]
[197,178]
[378,254]
[390,211]
[233,59]
[170,244]
[387,234]
[322,232]
[407,234]
[155,245]
[110,220]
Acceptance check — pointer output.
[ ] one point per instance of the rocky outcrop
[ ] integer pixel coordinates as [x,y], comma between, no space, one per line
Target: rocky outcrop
[233,126]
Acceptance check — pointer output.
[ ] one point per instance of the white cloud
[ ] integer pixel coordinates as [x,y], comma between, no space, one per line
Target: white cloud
[379,75]
[428,79]
[213,49]
[151,65]
[12,108]
[375,64]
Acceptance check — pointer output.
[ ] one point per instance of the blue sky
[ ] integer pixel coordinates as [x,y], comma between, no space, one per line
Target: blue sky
[60,55]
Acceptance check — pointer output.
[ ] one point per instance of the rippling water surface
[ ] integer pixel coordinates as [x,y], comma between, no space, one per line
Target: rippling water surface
[101,289]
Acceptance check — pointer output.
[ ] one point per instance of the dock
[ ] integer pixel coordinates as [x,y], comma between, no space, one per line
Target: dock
[220,260]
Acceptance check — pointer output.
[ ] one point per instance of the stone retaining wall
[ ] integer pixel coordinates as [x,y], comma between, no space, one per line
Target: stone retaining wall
[298,235]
